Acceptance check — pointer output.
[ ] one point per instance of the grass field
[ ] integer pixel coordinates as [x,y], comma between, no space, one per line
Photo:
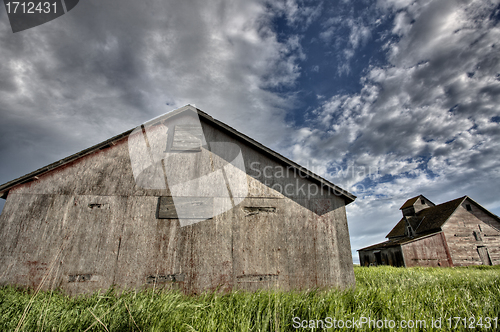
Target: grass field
[388,296]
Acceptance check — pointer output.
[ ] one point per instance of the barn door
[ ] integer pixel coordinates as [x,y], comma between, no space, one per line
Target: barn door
[484,255]
[259,244]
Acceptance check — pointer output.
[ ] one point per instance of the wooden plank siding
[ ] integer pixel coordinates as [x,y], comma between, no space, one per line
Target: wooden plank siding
[460,230]
[89,226]
[429,251]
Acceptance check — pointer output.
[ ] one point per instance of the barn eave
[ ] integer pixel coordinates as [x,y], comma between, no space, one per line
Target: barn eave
[348,197]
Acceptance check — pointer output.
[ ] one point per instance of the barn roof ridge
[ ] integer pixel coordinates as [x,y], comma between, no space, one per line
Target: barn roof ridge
[4,188]
[411,201]
[431,218]
[483,208]
[436,215]
[447,209]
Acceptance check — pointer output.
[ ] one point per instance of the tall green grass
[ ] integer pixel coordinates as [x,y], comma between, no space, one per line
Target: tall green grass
[381,293]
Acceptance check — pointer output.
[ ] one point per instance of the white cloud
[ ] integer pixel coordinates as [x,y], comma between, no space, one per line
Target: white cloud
[424,120]
[348,31]
[360,34]
[99,70]
[297,12]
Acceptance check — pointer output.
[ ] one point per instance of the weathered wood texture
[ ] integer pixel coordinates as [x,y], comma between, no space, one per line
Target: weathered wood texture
[87,225]
[465,231]
[422,203]
[458,233]
[429,251]
[187,137]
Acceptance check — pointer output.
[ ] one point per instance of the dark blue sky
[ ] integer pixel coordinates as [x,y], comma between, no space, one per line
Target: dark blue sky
[322,74]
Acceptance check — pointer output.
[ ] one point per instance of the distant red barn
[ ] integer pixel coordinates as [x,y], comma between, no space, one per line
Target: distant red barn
[457,233]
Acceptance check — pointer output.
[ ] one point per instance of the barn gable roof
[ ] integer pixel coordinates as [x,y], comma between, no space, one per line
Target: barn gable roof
[348,197]
[398,230]
[485,210]
[409,202]
[412,201]
[428,219]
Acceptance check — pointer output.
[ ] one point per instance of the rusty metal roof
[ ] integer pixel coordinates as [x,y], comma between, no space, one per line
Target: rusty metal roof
[348,197]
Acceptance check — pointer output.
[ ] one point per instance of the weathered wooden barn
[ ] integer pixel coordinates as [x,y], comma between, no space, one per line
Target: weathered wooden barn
[92,220]
[456,233]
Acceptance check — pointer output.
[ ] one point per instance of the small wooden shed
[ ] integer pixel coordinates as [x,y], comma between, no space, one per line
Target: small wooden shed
[460,232]
[92,220]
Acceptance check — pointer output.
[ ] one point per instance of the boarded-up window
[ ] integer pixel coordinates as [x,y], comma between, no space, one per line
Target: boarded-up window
[484,255]
[477,235]
[161,279]
[188,207]
[166,208]
[253,210]
[187,138]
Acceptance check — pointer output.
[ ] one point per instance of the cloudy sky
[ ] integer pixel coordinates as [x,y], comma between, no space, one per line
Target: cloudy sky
[388,99]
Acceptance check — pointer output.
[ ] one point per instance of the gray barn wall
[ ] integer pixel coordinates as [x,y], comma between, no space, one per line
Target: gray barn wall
[459,231]
[88,220]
